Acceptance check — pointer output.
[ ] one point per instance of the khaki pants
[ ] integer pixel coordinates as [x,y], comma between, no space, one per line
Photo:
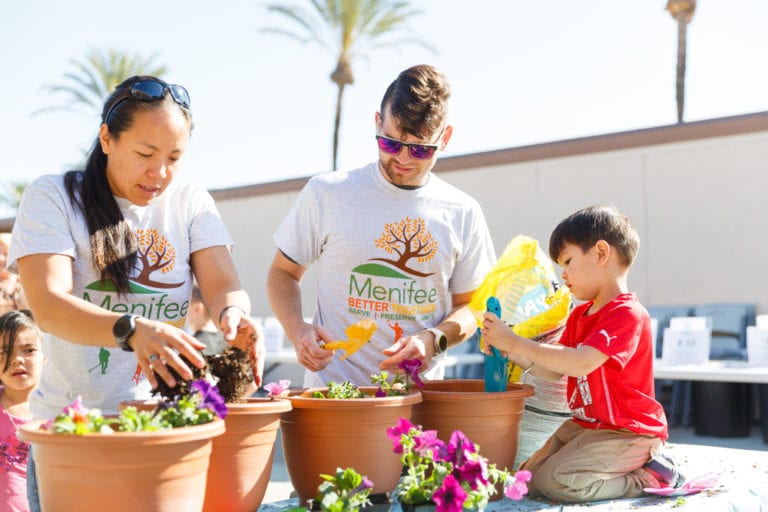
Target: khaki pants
[578,464]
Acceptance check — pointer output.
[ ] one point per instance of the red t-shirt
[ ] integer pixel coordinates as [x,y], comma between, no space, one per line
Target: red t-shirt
[620,393]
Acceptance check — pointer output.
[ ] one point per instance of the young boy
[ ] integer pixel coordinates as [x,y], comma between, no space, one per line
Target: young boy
[611,446]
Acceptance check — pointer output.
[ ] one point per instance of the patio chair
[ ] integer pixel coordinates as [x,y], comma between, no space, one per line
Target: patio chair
[729,328]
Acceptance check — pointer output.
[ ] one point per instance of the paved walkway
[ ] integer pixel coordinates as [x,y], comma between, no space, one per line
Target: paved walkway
[741,461]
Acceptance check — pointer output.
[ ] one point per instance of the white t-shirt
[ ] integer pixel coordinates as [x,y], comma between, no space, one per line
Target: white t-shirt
[181,221]
[384,253]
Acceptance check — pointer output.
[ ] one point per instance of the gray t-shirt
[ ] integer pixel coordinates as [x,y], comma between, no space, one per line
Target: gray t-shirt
[384,253]
[181,221]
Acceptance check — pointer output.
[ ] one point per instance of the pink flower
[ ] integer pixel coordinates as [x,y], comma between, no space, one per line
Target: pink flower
[277,388]
[459,448]
[395,434]
[473,471]
[428,443]
[450,496]
[517,489]
[77,411]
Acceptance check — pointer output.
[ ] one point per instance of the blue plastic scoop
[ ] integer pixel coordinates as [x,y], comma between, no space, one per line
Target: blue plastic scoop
[496,365]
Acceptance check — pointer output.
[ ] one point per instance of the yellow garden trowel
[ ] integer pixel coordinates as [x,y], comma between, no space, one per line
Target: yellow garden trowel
[358,334]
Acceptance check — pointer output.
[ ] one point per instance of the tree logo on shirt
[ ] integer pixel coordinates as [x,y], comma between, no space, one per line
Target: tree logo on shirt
[155,254]
[394,292]
[407,240]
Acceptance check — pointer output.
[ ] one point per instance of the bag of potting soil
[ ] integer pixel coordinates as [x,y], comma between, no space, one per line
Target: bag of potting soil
[536,306]
[532,300]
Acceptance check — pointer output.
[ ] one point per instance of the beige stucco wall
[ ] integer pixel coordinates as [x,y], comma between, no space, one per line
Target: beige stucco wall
[700,206]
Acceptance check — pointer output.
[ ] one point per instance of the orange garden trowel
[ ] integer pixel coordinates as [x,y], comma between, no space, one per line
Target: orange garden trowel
[358,334]
[496,365]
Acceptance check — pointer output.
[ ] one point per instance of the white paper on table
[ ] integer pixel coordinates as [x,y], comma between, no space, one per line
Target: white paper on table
[686,346]
[757,346]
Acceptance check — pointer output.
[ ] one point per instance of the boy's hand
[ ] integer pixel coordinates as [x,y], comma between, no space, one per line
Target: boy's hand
[497,334]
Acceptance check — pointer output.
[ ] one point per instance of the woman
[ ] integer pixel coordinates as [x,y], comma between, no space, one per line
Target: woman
[108,255]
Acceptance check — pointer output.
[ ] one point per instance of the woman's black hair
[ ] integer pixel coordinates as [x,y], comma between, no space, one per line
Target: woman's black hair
[11,324]
[113,244]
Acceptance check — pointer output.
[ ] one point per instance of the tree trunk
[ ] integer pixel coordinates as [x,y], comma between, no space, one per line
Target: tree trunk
[337,124]
[682,26]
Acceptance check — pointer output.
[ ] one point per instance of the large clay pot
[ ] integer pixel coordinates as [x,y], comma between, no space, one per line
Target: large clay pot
[321,434]
[161,471]
[241,459]
[490,420]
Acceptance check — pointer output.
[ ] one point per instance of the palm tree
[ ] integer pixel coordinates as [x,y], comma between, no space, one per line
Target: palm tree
[348,28]
[92,80]
[10,195]
[682,11]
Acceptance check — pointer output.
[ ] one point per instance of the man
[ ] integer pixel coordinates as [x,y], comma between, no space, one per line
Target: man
[392,241]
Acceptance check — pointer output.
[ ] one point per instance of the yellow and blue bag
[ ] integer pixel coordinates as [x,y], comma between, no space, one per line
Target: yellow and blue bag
[532,300]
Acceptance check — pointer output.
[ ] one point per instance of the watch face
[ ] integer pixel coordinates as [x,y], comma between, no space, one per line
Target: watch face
[443,343]
[124,327]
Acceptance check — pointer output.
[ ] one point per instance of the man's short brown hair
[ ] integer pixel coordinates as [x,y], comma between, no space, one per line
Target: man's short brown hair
[418,100]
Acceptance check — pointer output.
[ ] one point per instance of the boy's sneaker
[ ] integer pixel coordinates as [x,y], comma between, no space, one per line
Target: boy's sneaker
[665,471]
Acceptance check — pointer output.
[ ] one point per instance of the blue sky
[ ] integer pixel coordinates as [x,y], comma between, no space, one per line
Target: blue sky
[522,72]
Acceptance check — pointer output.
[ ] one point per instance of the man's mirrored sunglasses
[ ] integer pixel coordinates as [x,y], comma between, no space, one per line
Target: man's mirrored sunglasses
[417,151]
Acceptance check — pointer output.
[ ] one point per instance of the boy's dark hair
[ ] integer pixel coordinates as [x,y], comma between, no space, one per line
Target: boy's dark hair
[587,226]
[418,100]
[11,324]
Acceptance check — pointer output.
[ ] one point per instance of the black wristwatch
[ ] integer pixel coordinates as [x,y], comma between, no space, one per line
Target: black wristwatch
[441,340]
[123,330]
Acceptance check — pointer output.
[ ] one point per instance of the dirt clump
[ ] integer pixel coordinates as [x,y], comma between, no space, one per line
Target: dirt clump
[231,370]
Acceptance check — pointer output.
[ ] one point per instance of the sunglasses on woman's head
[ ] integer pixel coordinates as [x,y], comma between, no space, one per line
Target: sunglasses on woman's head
[151,90]
[417,151]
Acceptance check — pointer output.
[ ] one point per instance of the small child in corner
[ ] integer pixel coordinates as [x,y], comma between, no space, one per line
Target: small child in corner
[611,447]
[21,362]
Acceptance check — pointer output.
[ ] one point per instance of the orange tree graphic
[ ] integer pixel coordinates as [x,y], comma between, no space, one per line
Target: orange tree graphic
[408,239]
[155,254]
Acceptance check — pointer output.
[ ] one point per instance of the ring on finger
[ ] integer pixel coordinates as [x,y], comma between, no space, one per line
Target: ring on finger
[153,357]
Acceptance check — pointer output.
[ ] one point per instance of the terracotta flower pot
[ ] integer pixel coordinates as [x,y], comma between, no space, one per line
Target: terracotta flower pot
[320,435]
[241,459]
[491,420]
[162,471]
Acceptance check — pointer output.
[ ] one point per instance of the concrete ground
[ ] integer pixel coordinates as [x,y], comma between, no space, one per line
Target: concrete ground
[280,488]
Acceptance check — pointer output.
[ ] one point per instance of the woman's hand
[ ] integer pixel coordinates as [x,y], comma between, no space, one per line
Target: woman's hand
[159,346]
[249,339]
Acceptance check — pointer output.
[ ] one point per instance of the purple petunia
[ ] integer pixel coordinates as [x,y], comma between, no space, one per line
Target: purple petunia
[210,397]
[450,496]
[411,368]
